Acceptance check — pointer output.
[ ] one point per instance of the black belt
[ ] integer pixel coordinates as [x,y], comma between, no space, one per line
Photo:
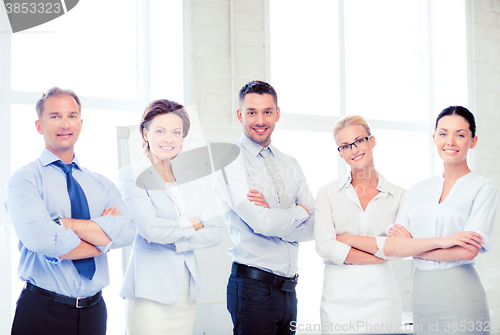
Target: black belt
[284,283]
[71,302]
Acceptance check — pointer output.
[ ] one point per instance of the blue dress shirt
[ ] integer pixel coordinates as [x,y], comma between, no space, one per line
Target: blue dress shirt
[36,195]
[264,237]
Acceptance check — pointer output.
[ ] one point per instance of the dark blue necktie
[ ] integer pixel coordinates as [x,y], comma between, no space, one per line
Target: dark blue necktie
[79,210]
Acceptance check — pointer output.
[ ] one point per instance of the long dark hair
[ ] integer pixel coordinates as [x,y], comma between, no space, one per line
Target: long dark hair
[461,111]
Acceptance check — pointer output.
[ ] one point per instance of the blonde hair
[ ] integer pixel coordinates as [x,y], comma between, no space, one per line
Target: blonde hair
[350,120]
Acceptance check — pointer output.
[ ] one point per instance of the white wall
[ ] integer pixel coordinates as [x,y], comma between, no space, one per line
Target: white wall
[228,49]
[485,80]
[5,245]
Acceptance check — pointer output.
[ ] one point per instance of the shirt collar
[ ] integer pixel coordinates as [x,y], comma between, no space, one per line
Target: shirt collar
[48,157]
[251,146]
[345,181]
[383,185]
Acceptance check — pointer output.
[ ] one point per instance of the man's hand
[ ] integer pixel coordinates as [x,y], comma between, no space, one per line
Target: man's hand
[258,198]
[196,223]
[305,208]
[72,223]
[113,211]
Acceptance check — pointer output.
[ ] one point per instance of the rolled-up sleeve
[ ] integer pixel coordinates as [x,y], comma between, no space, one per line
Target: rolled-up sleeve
[483,213]
[327,245]
[31,219]
[120,229]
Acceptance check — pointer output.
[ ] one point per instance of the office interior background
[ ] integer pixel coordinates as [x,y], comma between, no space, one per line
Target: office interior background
[395,62]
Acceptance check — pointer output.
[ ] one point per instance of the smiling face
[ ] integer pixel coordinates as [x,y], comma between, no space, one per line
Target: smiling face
[164,135]
[60,125]
[359,156]
[453,139]
[258,114]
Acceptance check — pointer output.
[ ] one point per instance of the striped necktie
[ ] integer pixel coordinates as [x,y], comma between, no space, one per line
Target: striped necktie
[280,186]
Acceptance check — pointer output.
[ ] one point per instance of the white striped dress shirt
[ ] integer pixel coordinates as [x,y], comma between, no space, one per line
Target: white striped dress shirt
[338,211]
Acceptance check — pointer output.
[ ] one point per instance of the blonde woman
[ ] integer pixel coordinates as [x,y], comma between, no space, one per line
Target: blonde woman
[173,218]
[351,213]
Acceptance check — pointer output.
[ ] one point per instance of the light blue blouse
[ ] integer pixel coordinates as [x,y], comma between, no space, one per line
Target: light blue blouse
[164,240]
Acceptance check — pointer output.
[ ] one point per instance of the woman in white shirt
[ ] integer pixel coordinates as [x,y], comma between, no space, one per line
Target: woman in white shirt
[445,222]
[172,218]
[351,213]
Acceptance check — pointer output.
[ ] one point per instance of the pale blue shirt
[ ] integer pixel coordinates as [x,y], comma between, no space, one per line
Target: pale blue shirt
[36,195]
[471,205]
[264,238]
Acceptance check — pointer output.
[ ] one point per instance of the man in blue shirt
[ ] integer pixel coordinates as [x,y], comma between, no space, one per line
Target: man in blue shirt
[268,209]
[63,254]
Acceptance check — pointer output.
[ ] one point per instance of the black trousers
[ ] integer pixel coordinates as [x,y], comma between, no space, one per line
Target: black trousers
[258,308]
[37,315]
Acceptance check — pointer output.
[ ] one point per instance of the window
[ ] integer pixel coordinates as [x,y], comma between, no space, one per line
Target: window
[391,61]
[116,67]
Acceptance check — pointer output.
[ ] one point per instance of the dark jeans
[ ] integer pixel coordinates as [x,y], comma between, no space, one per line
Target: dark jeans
[41,316]
[260,308]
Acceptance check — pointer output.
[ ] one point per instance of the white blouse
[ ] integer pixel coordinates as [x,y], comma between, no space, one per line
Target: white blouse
[176,194]
[338,211]
[470,206]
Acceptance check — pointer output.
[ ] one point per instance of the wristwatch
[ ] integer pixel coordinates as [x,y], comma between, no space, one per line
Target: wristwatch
[58,221]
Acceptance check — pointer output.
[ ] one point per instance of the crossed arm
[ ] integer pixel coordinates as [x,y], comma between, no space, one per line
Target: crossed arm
[464,245]
[293,224]
[301,233]
[259,200]
[91,235]
[363,249]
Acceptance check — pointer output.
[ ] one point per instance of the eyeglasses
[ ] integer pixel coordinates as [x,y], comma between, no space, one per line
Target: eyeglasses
[359,141]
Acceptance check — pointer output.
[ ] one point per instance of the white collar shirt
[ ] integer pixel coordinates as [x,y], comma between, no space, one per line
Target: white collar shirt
[339,211]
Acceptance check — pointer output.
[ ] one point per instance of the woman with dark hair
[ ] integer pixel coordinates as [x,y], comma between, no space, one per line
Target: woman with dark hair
[172,218]
[445,222]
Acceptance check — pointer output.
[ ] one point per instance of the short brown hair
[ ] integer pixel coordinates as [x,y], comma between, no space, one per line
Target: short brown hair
[259,87]
[56,92]
[160,107]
